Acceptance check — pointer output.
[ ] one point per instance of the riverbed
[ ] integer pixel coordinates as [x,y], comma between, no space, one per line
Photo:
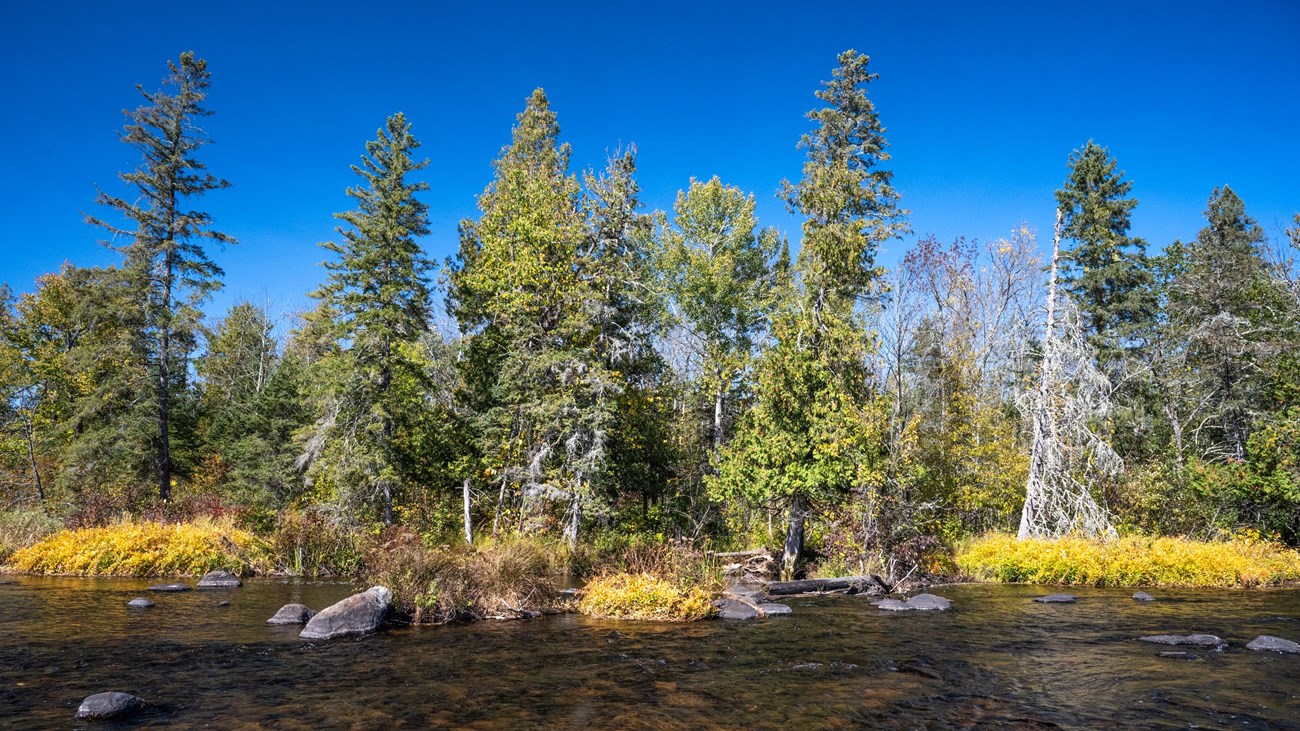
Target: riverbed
[996,659]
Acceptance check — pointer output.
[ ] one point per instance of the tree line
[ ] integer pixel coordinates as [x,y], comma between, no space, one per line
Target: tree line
[666,373]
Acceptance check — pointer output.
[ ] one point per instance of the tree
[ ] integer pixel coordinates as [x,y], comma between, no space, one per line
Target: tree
[377,294]
[1106,269]
[815,430]
[165,262]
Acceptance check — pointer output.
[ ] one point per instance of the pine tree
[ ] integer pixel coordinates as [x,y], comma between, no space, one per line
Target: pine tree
[165,262]
[814,432]
[377,293]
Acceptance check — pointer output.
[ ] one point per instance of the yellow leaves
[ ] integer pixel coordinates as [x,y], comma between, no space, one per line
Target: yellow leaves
[644,597]
[144,549]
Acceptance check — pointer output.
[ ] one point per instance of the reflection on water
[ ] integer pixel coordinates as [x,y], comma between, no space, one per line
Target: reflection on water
[996,660]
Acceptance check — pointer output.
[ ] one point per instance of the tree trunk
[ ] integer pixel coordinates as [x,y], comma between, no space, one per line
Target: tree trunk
[1042,419]
[575,519]
[164,393]
[29,431]
[793,538]
[469,527]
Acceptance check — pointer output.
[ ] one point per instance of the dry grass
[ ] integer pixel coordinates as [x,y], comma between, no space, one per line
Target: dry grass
[21,528]
[1129,561]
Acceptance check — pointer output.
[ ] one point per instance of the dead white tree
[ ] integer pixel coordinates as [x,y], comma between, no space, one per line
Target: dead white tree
[1068,456]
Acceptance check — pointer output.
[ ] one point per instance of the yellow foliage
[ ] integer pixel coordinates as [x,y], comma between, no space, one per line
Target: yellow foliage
[145,549]
[645,597]
[1129,561]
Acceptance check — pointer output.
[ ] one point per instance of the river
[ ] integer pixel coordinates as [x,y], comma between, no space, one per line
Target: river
[997,660]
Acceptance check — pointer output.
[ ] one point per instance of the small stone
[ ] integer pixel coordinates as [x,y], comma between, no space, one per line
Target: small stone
[170,587]
[1273,644]
[1180,656]
[223,603]
[292,614]
[772,609]
[140,603]
[733,609]
[109,705]
[1196,640]
[1056,599]
[220,579]
[1142,596]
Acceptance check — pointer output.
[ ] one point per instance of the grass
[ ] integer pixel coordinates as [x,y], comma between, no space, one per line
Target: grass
[644,596]
[21,528]
[1129,561]
[145,549]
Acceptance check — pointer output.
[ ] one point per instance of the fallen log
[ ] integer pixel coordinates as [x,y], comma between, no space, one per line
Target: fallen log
[854,584]
[740,554]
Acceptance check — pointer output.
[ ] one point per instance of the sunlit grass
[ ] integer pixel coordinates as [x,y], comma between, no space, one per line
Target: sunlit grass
[1129,561]
[645,597]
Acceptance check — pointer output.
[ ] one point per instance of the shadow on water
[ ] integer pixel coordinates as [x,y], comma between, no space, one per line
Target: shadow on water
[996,660]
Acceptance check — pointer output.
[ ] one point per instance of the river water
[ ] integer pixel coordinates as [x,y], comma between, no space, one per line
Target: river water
[996,660]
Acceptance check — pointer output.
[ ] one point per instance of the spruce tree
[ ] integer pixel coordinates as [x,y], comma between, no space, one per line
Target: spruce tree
[377,293]
[165,261]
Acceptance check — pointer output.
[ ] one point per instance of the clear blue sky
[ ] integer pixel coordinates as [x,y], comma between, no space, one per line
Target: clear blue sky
[983,103]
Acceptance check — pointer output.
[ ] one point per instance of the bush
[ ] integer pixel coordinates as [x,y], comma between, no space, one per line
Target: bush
[644,596]
[146,549]
[1130,561]
[512,577]
[306,543]
[22,528]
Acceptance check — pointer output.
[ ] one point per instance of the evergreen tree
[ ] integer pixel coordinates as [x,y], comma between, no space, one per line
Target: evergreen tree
[377,293]
[1106,270]
[814,432]
[169,271]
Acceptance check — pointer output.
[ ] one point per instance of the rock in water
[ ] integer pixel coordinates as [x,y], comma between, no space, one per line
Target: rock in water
[140,603]
[292,614]
[109,705]
[219,579]
[1142,596]
[356,615]
[1196,640]
[1056,599]
[772,609]
[733,609]
[929,602]
[1180,656]
[170,587]
[1273,644]
[894,605]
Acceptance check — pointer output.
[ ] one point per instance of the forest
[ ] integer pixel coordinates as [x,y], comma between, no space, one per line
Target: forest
[589,372]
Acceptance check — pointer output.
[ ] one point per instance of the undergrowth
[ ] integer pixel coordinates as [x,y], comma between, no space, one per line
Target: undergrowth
[646,597]
[1129,561]
[21,528]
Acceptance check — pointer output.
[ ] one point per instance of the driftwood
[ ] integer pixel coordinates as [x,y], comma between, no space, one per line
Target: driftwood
[848,584]
[740,554]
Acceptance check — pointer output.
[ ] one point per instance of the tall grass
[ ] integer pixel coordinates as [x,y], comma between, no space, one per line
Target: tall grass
[1129,561]
[644,597]
[146,549]
[21,528]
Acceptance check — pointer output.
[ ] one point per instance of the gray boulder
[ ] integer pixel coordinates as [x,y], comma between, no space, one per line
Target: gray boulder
[929,602]
[356,615]
[734,609]
[170,587]
[1056,599]
[109,705]
[1273,644]
[140,603]
[772,609]
[1142,596]
[292,614]
[1194,640]
[220,579]
[894,605]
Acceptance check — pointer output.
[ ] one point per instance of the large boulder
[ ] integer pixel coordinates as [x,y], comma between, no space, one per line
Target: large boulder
[1273,644]
[1195,640]
[219,579]
[356,615]
[170,587]
[735,609]
[292,614]
[1056,599]
[109,705]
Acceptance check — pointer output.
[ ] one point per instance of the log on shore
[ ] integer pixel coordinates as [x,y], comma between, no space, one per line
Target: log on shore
[856,584]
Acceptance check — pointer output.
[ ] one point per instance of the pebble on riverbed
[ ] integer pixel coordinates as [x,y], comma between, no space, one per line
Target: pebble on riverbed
[1273,644]
[1056,599]
[109,705]
[139,603]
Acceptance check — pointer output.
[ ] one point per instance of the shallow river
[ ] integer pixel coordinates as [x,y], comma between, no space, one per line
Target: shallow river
[995,660]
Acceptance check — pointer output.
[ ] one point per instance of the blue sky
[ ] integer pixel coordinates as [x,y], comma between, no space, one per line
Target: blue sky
[983,103]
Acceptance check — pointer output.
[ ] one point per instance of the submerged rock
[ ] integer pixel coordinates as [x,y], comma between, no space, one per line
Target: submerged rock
[223,603]
[735,609]
[140,603]
[170,587]
[356,615]
[918,603]
[1180,656]
[772,609]
[292,614]
[109,705]
[1273,644]
[1195,640]
[220,579]
[1142,596]
[1056,599]
[894,605]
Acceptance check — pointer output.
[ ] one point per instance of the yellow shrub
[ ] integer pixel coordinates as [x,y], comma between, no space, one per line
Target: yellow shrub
[1129,561]
[643,596]
[145,549]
